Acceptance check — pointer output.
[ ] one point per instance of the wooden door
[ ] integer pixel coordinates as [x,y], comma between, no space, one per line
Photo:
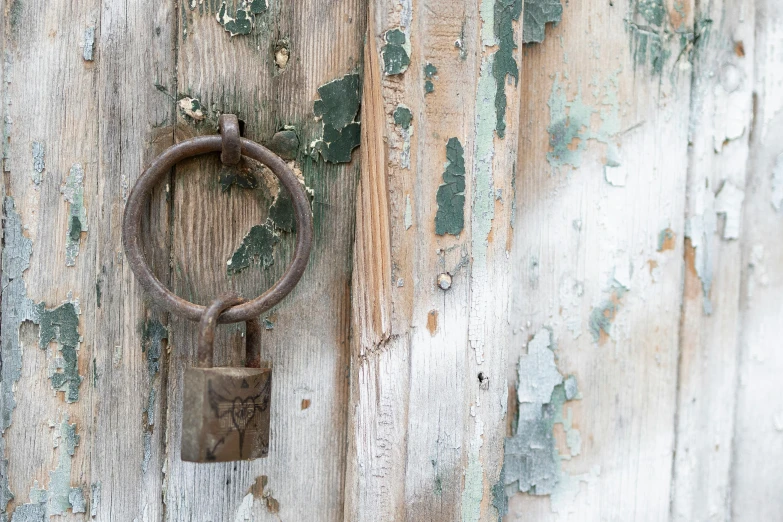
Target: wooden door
[545,286]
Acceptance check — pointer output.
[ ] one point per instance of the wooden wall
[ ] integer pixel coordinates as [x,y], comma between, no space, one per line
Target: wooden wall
[548,285]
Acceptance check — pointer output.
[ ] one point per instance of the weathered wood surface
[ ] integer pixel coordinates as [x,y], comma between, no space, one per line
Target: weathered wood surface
[757,477]
[593,334]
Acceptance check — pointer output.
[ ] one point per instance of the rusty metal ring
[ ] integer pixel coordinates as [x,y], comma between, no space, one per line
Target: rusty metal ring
[155,173]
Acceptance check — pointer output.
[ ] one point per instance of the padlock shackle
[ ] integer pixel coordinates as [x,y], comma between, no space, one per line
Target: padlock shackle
[206,337]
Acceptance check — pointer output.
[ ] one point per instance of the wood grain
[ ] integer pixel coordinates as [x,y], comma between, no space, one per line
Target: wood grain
[721,122]
[307,346]
[756,473]
[586,260]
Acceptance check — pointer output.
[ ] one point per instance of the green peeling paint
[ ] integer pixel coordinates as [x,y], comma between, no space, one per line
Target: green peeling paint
[653,11]
[60,496]
[16,309]
[603,315]
[538,13]
[233,176]
[395,53]
[257,247]
[505,14]
[450,218]
[38,149]
[61,324]
[403,116]
[473,493]
[191,107]
[429,73]
[282,212]
[532,461]
[338,109]
[73,193]
[152,335]
[570,121]
[650,31]
[88,47]
[240,21]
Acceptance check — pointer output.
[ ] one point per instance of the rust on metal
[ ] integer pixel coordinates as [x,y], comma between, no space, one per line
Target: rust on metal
[231,153]
[157,171]
[226,413]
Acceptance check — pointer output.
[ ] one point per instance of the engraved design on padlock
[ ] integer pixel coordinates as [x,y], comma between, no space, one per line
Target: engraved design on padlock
[225,413]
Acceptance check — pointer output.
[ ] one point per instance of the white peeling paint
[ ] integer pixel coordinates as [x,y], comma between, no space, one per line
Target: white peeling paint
[728,202]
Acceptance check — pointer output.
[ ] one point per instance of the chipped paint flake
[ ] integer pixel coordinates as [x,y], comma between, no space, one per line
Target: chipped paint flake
[237,23]
[338,109]
[88,44]
[60,496]
[192,108]
[700,229]
[728,201]
[73,193]
[450,218]
[777,184]
[403,116]
[38,150]
[504,64]
[16,309]
[396,52]
[95,498]
[570,125]
[61,324]
[532,461]
[538,13]
[666,240]
[257,248]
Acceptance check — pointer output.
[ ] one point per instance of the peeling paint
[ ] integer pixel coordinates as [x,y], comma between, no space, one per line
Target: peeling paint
[429,73]
[403,116]
[257,247]
[700,229]
[88,44]
[603,315]
[473,492]
[666,240]
[73,193]
[649,32]
[538,13]
[16,309]
[281,212]
[504,64]
[532,461]
[152,335]
[450,218]
[192,108]
[338,109]
[777,184]
[60,496]
[396,52]
[239,22]
[241,176]
[38,150]
[728,201]
[8,68]
[61,324]
[570,121]
[482,205]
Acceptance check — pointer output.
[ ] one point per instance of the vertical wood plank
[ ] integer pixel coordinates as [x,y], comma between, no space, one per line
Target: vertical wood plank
[246,74]
[602,176]
[50,138]
[757,477]
[428,394]
[721,120]
[135,51]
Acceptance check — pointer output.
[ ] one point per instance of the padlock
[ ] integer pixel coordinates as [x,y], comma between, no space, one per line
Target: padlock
[225,415]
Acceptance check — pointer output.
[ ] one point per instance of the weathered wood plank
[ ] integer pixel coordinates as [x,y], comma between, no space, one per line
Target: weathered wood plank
[757,476]
[49,177]
[270,78]
[721,119]
[602,175]
[78,132]
[428,395]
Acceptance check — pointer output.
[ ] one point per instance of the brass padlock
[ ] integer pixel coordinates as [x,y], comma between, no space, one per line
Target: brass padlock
[225,413]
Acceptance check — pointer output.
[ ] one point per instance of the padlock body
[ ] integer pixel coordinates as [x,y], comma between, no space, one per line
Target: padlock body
[225,414]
